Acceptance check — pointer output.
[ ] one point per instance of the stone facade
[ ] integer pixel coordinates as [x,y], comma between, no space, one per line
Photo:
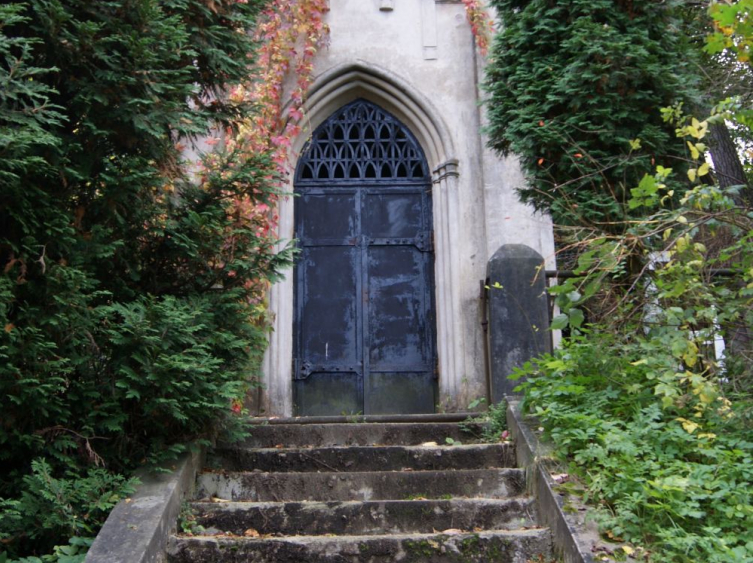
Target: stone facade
[418,61]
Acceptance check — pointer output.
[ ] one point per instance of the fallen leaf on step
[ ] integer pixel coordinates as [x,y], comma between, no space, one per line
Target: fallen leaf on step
[429,444]
[407,469]
[452,531]
[251,533]
[614,537]
[215,499]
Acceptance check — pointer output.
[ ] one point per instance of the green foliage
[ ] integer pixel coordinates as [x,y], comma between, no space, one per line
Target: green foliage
[574,89]
[661,477]
[654,424]
[497,417]
[734,29]
[732,43]
[24,103]
[74,552]
[61,507]
[187,520]
[131,290]
[494,422]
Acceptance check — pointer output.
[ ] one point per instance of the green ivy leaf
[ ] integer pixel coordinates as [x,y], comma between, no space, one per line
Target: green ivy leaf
[576,317]
[559,322]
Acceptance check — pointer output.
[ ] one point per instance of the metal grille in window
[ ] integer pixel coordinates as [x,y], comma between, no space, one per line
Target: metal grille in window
[362,141]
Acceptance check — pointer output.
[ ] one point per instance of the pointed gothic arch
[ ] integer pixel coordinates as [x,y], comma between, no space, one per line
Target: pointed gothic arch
[345,83]
[364,324]
[335,89]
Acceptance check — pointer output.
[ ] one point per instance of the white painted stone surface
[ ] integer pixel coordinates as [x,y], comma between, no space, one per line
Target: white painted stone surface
[417,60]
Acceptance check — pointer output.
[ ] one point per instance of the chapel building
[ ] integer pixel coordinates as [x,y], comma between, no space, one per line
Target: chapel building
[399,206]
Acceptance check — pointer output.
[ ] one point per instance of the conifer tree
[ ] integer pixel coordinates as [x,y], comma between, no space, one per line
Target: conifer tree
[575,89]
[130,292]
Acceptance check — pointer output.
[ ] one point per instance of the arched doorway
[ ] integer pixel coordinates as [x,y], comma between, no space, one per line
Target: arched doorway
[364,322]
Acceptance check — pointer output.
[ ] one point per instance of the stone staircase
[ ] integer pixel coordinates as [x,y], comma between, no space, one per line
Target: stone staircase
[363,492]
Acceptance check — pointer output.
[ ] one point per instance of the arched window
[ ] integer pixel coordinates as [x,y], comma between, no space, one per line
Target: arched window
[362,141]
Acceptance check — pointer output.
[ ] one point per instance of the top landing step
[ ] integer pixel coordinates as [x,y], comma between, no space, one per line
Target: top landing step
[372,418]
[301,433]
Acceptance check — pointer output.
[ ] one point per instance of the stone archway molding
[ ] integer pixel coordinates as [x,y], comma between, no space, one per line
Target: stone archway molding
[330,91]
[345,83]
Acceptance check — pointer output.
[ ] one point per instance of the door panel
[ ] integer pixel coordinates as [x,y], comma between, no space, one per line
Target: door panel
[329,394]
[327,217]
[396,308]
[393,215]
[330,311]
[399,393]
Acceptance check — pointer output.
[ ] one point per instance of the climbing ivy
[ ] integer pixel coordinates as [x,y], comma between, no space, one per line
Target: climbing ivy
[481,23]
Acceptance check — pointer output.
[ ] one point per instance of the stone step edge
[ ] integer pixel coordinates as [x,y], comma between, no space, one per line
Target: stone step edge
[379,517]
[371,485]
[342,434]
[373,418]
[245,504]
[516,533]
[361,458]
[292,474]
[511,546]
[221,448]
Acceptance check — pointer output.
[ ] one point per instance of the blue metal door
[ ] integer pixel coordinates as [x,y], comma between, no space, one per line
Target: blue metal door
[364,312]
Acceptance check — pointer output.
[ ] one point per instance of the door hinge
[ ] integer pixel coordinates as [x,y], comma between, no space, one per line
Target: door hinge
[425,241]
[301,369]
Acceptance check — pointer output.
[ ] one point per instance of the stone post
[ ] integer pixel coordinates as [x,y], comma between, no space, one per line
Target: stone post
[518,314]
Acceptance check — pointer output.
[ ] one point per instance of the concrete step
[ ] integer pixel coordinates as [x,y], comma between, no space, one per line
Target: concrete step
[329,491]
[361,418]
[361,434]
[364,458]
[366,485]
[500,546]
[364,518]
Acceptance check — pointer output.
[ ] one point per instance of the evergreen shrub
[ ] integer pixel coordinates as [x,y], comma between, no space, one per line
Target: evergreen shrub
[131,286]
[574,89]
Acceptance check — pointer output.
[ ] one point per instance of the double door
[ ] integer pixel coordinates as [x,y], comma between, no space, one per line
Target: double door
[364,312]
